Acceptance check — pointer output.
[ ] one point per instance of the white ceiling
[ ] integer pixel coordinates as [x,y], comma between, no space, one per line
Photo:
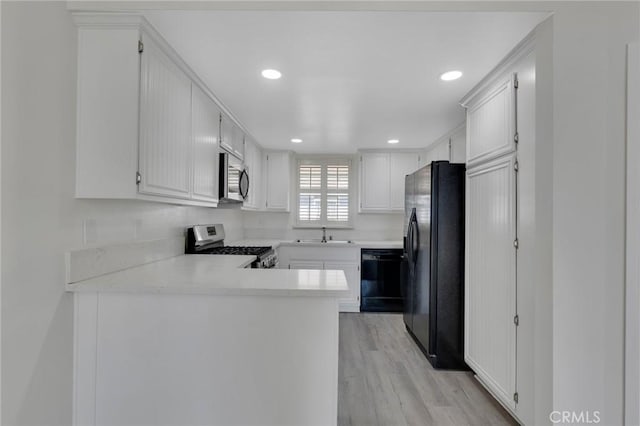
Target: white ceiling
[350,80]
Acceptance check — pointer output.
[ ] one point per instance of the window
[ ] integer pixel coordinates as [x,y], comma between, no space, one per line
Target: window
[324,197]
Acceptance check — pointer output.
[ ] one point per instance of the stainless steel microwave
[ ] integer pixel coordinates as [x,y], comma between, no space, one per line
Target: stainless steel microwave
[234,179]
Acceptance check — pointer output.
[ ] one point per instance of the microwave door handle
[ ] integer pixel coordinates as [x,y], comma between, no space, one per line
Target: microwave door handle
[244,177]
[223,175]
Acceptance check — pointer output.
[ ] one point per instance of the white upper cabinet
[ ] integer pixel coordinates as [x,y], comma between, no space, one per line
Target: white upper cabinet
[400,165]
[278,180]
[491,123]
[458,150]
[253,164]
[382,180]
[423,158]
[165,125]
[205,131]
[374,182]
[451,147]
[439,151]
[107,110]
[231,137]
[142,133]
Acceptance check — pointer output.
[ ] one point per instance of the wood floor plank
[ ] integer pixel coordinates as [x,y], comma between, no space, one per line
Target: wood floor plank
[385,380]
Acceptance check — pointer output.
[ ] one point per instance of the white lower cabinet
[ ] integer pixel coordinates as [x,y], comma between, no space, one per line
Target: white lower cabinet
[345,259]
[490,287]
[204,359]
[351,303]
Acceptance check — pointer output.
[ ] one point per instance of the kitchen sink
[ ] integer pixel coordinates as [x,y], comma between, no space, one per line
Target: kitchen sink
[318,240]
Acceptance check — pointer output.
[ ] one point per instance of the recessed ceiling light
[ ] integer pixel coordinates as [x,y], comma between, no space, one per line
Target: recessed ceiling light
[451,75]
[271,74]
[296,140]
[393,141]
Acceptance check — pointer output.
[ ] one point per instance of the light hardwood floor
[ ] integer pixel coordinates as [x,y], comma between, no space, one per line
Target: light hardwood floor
[385,380]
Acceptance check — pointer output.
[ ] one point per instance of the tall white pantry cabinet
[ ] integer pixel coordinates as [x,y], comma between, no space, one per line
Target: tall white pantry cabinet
[493,337]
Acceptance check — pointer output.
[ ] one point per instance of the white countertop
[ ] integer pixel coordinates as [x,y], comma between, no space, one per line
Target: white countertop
[216,275]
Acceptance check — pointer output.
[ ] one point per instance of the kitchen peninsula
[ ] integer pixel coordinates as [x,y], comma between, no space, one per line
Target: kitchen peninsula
[199,339]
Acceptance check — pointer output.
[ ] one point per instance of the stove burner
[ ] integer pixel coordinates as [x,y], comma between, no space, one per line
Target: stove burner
[237,250]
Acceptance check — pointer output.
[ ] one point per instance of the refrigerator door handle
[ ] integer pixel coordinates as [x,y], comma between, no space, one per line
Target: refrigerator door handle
[415,240]
[409,244]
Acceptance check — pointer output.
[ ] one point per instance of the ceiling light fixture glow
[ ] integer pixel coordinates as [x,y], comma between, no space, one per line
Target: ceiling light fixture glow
[392,141]
[296,140]
[451,75]
[271,74]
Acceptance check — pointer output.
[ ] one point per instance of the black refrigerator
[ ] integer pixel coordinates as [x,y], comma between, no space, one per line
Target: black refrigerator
[433,272]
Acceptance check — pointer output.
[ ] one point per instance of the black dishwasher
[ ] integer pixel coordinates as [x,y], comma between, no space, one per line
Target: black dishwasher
[380,285]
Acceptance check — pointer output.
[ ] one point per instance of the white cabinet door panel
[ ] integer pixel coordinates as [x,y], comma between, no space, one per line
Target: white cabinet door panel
[253,165]
[374,185]
[231,137]
[400,165]
[350,303]
[238,142]
[165,126]
[257,181]
[278,181]
[490,287]
[205,115]
[491,124]
[226,133]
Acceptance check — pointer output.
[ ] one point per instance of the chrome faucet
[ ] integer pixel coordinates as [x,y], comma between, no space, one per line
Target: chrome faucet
[324,234]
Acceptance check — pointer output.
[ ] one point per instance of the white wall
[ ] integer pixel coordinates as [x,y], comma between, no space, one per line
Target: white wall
[632,360]
[0,217]
[41,219]
[365,227]
[589,65]
[537,189]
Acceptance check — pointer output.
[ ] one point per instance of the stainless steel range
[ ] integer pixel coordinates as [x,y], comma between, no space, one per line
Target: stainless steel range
[209,239]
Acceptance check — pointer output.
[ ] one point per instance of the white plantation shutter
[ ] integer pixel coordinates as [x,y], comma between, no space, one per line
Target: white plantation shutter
[338,193]
[323,192]
[310,207]
[310,177]
[310,198]
[338,178]
[338,207]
